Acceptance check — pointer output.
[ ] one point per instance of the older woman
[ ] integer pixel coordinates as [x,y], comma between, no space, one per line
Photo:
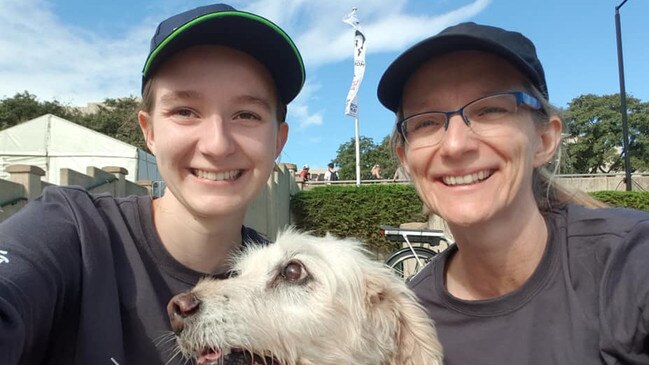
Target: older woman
[537,275]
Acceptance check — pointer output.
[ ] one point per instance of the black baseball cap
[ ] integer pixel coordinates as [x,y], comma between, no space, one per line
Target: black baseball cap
[512,46]
[221,24]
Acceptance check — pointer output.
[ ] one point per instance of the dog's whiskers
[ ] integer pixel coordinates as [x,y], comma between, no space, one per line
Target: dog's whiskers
[173,351]
[164,339]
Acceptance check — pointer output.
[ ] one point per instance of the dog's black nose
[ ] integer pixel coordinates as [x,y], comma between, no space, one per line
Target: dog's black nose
[180,307]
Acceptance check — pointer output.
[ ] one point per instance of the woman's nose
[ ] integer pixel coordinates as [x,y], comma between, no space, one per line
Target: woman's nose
[216,138]
[458,138]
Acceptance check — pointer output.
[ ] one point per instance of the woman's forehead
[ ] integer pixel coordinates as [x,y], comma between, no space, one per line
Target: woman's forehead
[200,65]
[459,77]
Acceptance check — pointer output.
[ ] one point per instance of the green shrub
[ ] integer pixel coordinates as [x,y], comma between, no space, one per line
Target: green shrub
[624,199]
[357,211]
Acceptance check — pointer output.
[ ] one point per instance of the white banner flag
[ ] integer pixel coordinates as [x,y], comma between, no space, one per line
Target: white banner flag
[351,103]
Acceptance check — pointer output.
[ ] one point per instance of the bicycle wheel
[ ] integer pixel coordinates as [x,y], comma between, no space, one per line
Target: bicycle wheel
[404,263]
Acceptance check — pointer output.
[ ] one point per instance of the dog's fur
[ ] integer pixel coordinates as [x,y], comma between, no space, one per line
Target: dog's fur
[343,309]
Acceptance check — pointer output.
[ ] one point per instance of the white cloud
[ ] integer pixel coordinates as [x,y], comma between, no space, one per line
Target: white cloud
[40,54]
[322,37]
[54,60]
[299,113]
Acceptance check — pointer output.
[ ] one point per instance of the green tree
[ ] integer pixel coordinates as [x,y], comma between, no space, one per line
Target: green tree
[639,144]
[370,154]
[117,118]
[25,106]
[386,158]
[594,142]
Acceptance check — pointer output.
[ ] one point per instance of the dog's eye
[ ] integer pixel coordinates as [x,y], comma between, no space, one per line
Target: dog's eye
[294,271]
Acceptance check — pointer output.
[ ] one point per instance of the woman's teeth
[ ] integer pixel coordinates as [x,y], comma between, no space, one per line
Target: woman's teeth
[466,179]
[218,176]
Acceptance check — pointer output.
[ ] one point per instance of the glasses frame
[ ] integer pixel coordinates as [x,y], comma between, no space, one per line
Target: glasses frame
[522,98]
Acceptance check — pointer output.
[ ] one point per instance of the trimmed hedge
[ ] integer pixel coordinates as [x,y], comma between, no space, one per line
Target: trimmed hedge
[624,199]
[358,211]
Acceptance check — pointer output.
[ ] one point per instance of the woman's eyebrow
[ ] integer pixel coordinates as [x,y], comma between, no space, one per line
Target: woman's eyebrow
[174,96]
[254,100]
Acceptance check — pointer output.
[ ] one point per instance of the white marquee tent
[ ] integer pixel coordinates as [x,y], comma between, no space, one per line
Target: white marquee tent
[53,143]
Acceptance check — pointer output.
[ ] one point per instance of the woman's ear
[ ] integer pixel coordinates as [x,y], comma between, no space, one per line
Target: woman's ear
[549,141]
[146,125]
[282,137]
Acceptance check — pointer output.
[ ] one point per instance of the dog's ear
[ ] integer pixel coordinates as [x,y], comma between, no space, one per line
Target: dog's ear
[417,337]
[413,332]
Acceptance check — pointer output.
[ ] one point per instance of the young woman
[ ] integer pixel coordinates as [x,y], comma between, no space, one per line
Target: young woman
[89,277]
[537,275]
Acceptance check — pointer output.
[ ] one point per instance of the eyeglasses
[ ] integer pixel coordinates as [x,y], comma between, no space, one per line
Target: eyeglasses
[484,116]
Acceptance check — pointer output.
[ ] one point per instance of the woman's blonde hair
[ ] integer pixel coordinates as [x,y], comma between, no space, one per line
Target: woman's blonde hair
[548,192]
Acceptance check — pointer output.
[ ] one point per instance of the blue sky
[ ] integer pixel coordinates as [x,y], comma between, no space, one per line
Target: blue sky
[80,51]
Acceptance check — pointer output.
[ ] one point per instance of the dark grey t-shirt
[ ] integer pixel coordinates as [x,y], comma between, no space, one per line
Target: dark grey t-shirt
[86,280]
[586,303]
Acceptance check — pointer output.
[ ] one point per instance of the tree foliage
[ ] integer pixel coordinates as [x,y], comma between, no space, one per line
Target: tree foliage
[595,143]
[370,154]
[116,118]
[25,106]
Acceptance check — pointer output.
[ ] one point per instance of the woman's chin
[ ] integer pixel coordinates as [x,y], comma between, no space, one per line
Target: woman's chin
[465,215]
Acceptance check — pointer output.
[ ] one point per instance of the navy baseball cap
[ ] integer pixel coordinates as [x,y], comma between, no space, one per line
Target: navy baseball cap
[221,24]
[512,46]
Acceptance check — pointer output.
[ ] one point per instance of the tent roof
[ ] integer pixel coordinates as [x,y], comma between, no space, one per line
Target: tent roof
[49,135]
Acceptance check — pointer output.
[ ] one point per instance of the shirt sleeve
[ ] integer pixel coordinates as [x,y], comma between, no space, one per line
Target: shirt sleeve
[39,276]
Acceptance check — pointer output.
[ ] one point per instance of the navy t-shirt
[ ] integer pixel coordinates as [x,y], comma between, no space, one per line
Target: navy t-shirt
[86,280]
[586,303]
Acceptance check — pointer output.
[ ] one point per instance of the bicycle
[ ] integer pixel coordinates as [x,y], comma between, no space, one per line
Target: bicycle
[408,261]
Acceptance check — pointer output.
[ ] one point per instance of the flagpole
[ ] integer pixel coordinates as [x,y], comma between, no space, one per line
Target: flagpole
[351,103]
[358,154]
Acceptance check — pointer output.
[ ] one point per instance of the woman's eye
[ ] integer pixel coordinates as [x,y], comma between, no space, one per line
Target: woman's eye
[186,113]
[491,112]
[247,115]
[494,109]
[427,124]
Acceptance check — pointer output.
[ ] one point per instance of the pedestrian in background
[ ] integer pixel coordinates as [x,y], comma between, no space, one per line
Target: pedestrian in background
[331,174]
[375,173]
[304,173]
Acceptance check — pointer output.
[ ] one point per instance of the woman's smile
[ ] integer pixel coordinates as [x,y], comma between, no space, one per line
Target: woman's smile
[467,179]
[217,176]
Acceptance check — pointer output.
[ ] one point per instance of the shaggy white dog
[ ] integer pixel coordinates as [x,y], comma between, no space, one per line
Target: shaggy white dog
[301,301]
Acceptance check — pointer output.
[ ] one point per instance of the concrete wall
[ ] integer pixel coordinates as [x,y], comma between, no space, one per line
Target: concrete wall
[268,213]
[601,182]
[25,184]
